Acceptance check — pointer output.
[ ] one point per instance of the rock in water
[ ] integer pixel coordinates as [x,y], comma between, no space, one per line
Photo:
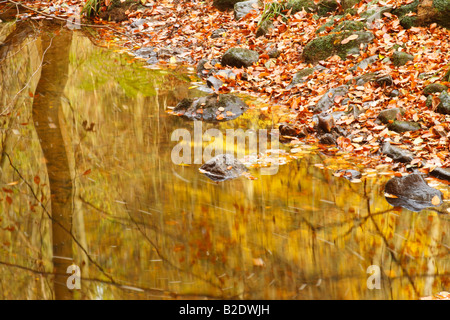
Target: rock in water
[214,107]
[412,192]
[223,167]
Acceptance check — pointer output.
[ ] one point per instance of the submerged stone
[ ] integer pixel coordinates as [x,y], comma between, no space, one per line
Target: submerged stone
[440,173]
[223,167]
[412,192]
[349,174]
[213,108]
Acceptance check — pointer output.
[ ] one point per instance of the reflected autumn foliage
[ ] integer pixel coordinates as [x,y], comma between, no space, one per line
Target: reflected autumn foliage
[146,228]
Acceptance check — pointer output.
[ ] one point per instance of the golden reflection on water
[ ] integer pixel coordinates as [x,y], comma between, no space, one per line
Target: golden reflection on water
[155,230]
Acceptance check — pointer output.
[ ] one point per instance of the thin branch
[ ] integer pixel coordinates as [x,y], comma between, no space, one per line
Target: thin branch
[59,223]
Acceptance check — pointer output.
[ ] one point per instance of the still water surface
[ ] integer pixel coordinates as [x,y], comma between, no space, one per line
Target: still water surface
[86,140]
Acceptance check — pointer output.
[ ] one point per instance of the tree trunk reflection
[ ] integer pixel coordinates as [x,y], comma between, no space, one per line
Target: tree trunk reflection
[48,120]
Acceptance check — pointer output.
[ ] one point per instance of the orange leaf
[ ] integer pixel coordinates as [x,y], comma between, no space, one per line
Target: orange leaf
[436,201]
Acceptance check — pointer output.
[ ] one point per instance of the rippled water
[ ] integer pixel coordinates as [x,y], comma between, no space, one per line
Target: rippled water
[86,140]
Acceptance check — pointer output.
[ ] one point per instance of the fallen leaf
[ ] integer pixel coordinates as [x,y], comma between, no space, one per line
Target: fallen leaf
[435,201]
[350,38]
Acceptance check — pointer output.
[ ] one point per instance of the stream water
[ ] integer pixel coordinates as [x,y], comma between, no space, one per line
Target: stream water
[87,179]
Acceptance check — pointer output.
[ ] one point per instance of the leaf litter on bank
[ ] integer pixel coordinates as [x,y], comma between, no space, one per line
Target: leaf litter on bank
[188,26]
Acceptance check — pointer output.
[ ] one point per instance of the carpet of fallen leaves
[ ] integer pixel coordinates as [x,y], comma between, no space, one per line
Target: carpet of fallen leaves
[187,27]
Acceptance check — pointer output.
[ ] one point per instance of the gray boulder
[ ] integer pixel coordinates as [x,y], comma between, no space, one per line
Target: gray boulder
[241,9]
[364,64]
[444,105]
[400,58]
[396,153]
[388,115]
[412,192]
[239,57]
[299,77]
[404,126]
[223,167]
[434,87]
[327,100]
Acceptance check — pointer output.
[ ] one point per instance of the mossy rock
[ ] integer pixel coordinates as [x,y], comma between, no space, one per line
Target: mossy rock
[326,6]
[116,11]
[400,58]
[435,11]
[223,5]
[443,7]
[350,11]
[323,47]
[374,13]
[264,28]
[444,105]
[298,77]
[239,57]
[408,22]
[298,5]
[349,25]
[410,7]
[434,87]
[320,48]
[347,4]
[446,76]
[329,23]
[429,101]
[404,126]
